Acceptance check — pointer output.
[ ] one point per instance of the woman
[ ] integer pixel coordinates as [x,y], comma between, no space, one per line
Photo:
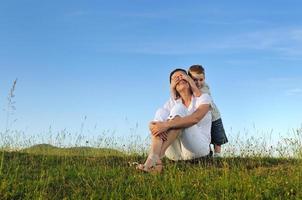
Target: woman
[183,129]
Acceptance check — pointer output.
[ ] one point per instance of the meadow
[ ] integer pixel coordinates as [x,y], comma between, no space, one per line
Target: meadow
[71,167]
[48,172]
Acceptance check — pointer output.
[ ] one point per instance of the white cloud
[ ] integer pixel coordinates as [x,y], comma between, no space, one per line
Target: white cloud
[289,85]
[297,34]
[294,92]
[283,44]
[276,40]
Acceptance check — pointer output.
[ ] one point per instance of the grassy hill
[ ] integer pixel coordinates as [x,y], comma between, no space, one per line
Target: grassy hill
[47,149]
[41,172]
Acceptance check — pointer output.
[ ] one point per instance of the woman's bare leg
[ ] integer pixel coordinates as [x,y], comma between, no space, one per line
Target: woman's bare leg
[153,157]
[171,137]
[159,147]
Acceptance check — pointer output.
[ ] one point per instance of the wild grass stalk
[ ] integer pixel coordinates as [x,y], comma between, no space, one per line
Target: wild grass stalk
[10,108]
[2,160]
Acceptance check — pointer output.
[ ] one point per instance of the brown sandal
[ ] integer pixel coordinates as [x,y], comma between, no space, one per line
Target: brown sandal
[157,169]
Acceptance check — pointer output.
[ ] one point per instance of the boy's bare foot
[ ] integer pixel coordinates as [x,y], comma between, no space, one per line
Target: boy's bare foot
[217,148]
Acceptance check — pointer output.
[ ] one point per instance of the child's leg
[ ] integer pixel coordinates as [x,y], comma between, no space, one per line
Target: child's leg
[217,148]
[218,136]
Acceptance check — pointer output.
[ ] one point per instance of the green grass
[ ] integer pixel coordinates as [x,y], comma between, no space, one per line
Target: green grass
[47,149]
[47,172]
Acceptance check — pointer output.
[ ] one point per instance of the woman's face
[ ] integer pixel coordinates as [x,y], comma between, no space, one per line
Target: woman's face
[182,83]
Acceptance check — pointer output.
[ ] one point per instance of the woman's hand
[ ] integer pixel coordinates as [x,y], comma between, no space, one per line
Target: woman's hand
[158,128]
[163,136]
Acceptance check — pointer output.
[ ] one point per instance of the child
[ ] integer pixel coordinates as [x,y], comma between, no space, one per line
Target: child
[197,73]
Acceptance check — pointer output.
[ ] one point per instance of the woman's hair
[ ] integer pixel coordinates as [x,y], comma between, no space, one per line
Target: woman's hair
[176,70]
[198,69]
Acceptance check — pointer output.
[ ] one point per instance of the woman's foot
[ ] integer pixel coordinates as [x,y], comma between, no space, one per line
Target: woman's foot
[152,165]
[157,169]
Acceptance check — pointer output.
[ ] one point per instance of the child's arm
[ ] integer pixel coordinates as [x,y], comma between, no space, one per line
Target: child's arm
[215,112]
[173,90]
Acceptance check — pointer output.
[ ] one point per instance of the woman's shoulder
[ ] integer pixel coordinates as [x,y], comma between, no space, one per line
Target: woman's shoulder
[204,98]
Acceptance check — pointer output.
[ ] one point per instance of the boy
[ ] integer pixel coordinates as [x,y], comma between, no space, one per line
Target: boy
[197,73]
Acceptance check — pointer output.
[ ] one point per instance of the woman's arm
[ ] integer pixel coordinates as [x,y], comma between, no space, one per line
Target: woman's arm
[180,122]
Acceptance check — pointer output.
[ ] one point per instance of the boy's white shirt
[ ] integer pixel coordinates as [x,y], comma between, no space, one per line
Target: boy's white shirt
[215,112]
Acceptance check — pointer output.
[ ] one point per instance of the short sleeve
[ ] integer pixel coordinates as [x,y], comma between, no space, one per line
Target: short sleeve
[169,104]
[203,99]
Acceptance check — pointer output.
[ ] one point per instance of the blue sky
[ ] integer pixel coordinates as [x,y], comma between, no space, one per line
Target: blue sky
[110,61]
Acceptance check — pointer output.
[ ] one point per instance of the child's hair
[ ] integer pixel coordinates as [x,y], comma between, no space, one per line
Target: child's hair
[198,69]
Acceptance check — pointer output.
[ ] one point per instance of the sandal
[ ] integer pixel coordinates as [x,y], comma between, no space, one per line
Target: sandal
[156,165]
[156,169]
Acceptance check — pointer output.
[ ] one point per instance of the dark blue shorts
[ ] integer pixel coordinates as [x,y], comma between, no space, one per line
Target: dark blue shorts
[218,135]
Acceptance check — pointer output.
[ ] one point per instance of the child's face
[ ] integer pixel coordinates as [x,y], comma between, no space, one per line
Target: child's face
[199,79]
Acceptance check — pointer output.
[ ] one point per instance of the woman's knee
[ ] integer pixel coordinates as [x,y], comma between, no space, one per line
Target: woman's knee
[155,138]
[161,115]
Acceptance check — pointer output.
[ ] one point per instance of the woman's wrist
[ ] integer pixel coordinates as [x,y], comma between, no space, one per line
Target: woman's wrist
[169,125]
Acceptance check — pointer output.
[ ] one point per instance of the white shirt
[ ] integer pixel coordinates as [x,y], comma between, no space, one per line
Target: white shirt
[204,125]
[215,112]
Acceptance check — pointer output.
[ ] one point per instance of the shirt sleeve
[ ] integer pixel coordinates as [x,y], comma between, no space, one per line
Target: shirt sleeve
[169,104]
[206,89]
[204,99]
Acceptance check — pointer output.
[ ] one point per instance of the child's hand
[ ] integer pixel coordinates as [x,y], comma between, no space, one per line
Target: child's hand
[194,88]
[188,79]
[173,84]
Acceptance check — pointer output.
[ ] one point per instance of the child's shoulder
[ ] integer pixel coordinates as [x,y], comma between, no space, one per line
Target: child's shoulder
[205,88]
[204,98]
